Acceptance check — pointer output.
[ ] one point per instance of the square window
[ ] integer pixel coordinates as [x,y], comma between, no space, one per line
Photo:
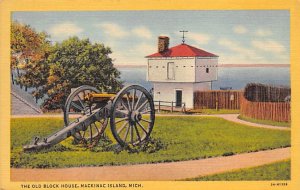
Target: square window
[171,71]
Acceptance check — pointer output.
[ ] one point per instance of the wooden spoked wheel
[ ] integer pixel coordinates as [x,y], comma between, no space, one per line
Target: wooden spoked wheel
[76,106]
[132,115]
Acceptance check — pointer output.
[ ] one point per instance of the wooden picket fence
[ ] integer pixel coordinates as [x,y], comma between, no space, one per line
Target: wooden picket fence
[258,101]
[274,111]
[217,99]
[257,92]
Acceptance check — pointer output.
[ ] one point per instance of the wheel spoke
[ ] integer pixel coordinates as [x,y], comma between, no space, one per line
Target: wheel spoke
[91,133]
[122,111]
[132,103]
[137,133]
[143,104]
[146,111]
[96,128]
[123,104]
[102,123]
[126,134]
[81,101]
[122,127]
[131,134]
[120,120]
[77,106]
[138,101]
[129,108]
[83,135]
[142,127]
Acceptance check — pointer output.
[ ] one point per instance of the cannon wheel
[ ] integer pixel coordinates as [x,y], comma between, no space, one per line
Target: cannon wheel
[132,115]
[75,107]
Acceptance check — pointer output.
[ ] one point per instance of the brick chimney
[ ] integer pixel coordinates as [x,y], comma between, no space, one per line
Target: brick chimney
[163,43]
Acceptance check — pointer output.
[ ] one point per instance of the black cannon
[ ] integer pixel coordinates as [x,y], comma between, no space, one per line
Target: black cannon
[87,112]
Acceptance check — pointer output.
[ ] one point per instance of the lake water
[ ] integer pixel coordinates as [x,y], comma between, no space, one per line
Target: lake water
[235,77]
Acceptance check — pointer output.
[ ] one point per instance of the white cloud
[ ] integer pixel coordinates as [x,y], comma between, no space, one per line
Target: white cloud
[65,29]
[199,38]
[269,46]
[144,49]
[239,29]
[236,47]
[240,59]
[113,30]
[142,32]
[253,54]
[134,55]
[263,32]
[164,34]
[233,59]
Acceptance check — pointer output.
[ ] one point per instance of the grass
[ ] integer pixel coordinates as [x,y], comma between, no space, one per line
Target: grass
[275,171]
[214,111]
[266,122]
[180,138]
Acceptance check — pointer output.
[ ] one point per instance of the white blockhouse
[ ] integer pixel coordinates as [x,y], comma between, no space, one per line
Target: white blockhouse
[177,72]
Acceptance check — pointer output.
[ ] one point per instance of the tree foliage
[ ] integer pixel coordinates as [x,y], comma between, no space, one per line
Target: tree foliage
[76,62]
[52,70]
[29,50]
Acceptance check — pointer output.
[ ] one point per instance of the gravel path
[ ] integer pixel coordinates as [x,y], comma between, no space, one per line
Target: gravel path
[153,172]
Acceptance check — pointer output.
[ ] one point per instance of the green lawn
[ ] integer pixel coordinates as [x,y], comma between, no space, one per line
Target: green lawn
[266,122]
[175,138]
[275,171]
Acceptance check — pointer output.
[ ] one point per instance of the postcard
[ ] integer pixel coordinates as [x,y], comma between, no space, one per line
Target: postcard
[128,94]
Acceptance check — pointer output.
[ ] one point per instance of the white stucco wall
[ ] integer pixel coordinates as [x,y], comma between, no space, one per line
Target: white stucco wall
[189,76]
[202,86]
[167,92]
[184,69]
[202,64]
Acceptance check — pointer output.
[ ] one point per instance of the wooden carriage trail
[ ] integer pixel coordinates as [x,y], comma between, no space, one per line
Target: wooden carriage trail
[159,171]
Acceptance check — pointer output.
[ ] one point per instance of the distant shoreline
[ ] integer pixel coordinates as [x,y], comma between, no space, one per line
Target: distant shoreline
[130,66]
[254,65]
[220,65]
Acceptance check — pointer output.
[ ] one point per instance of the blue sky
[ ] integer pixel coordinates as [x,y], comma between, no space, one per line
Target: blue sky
[238,37]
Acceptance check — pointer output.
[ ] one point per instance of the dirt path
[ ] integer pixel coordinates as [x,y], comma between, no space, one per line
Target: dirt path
[234,118]
[147,172]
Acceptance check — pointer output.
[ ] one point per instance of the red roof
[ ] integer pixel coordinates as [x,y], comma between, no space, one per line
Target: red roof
[183,50]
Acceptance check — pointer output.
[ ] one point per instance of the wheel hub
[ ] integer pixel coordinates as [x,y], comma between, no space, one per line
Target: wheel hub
[134,117]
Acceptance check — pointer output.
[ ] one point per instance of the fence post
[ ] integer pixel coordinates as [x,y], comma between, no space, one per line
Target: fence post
[183,107]
[158,106]
[172,107]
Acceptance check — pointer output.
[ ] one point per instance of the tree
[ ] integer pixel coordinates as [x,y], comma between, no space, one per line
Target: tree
[76,62]
[29,50]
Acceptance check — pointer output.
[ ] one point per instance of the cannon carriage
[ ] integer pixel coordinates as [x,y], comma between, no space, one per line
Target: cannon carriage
[87,112]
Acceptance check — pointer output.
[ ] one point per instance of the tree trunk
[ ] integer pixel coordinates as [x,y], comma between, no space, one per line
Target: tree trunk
[12,78]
